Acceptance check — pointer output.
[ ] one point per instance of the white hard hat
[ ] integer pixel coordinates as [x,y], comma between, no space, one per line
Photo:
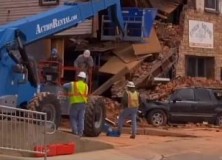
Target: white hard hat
[86,53]
[130,84]
[54,51]
[82,75]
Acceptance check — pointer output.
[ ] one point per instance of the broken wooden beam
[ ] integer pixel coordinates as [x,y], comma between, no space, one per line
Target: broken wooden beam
[109,83]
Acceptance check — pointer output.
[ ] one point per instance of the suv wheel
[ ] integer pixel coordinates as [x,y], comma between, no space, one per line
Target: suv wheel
[157,118]
[219,120]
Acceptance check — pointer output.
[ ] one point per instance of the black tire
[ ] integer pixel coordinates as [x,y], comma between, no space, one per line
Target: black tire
[48,103]
[94,117]
[219,120]
[157,118]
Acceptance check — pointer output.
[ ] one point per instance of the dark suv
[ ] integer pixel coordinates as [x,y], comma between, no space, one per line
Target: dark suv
[185,105]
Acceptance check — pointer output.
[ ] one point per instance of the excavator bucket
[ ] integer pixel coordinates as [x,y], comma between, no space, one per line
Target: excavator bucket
[138,24]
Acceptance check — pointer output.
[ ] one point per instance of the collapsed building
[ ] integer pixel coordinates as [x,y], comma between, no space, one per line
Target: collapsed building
[197,43]
[127,56]
[182,43]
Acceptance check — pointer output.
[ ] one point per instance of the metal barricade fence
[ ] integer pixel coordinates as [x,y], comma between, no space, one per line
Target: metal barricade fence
[23,130]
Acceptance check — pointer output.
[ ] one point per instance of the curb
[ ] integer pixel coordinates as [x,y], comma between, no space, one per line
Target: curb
[157,132]
[5,157]
[8,157]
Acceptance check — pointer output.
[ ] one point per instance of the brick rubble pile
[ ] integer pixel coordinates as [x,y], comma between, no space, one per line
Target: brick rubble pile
[162,92]
[169,36]
[141,72]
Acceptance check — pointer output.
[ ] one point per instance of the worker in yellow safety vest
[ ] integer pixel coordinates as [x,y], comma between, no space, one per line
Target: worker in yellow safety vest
[78,99]
[130,102]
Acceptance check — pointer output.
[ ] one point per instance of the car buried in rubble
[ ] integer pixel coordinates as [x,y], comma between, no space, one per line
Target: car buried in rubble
[185,105]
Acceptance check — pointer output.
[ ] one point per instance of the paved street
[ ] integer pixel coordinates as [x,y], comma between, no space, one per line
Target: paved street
[206,146]
[192,149]
[193,156]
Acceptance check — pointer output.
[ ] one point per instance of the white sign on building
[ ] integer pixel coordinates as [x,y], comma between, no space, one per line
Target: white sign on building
[201,34]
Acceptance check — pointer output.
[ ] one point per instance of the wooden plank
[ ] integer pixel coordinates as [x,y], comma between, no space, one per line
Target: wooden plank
[113,66]
[125,52]
[151,45]
[142,57]
[95,47]
[110,82]
[154,71]
[163,5]
[132,65]
[161,16]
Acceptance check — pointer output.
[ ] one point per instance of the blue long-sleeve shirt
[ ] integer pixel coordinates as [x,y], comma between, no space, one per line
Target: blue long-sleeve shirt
[68,86]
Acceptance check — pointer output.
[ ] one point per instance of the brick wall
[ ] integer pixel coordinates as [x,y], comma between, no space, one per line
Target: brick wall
[216,52]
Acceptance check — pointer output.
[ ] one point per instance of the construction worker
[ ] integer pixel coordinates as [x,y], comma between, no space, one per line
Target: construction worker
[130,102]
[54,56]
[78,100]
[84,62]
[54,65]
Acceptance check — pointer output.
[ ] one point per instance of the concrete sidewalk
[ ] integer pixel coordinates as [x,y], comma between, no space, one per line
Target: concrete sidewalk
[110,154]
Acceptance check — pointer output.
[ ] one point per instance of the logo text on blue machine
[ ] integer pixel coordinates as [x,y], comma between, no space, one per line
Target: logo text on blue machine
[54,24]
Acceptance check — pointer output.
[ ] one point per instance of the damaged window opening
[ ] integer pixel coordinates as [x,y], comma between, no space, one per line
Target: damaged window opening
[48,2]
[197,66]
[211,6]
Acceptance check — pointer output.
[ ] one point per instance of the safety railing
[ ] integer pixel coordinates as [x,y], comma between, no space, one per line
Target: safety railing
[46,73]
[24,131]
[50,71]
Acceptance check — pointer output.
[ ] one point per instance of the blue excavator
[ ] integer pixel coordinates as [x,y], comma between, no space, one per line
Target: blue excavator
[19,82]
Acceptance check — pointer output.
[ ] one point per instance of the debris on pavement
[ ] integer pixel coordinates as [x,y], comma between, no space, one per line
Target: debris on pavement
[113,109]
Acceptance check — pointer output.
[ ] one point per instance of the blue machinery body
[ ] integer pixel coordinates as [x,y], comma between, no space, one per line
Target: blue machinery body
[137,22]
[18,34]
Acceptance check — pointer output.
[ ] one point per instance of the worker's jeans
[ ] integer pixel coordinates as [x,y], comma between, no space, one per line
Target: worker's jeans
[128,113]
[77,116]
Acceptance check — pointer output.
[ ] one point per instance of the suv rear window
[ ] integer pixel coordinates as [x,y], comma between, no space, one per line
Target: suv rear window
[184,94]
[202,95]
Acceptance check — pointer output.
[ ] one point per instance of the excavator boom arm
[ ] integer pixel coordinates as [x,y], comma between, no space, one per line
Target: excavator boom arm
[56,20]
